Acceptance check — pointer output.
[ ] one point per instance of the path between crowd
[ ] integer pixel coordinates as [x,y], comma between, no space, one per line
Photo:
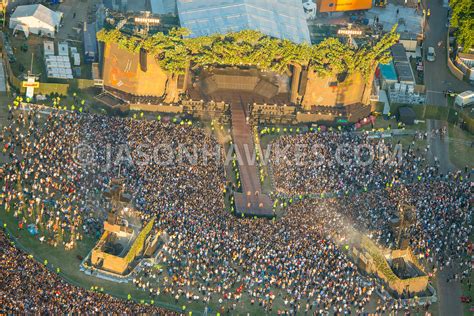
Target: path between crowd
[439,147]
[449,293]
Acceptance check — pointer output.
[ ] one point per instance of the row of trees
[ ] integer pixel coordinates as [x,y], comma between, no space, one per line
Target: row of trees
[175,51]
[463,19]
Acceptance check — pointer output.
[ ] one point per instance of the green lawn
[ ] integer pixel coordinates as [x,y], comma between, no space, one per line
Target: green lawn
[68,262]
[461,153]
[32,57]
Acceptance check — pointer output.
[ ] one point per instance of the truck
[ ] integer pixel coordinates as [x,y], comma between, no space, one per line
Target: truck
[464,99]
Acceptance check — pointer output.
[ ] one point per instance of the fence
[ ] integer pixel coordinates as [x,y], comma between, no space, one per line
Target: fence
[48,87]
[452,67]
[44,87]
[82,83]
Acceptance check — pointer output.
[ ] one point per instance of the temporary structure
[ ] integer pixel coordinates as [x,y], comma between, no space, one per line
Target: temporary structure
[35,19]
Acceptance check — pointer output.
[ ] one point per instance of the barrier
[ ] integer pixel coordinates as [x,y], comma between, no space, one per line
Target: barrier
[452,67]
[48,88]
[157,108]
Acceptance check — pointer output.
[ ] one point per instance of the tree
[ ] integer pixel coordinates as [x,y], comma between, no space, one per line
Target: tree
[463,19]
[176,51]
[367,58]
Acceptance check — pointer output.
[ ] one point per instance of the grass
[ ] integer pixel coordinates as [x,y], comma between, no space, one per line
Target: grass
[68,262]
[24,59]
[461,152]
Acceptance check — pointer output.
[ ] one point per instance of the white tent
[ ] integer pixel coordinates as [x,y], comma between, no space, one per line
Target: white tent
[37,18]
[21,28]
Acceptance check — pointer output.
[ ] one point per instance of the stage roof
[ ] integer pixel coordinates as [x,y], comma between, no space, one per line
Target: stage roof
[283,19]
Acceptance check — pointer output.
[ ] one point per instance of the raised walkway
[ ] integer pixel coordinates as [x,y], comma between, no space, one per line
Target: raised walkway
[251,202]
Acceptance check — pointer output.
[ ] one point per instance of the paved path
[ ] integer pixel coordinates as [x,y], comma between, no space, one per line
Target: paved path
[437,75]
[75,13]
[439,147]
[449,293]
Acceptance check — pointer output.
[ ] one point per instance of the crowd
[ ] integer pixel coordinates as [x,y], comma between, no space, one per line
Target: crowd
[340,162]
[439,234]
[296,262]
[293,264]
[59,164]
[28,287]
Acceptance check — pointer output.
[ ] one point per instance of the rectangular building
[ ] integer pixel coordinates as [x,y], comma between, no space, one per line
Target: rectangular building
[90,43]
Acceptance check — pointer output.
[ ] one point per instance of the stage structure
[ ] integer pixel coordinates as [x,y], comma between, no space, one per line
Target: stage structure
[398,268]
[138,80]
[168,73]
[125,240]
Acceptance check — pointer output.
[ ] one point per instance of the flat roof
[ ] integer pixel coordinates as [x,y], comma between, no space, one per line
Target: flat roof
[90,39]
[399,53]
[163,6]
[404,72]
[48,47]
[283,19]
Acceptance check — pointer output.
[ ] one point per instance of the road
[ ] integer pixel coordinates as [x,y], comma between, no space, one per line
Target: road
[437,79]
[449,293]
[437,75]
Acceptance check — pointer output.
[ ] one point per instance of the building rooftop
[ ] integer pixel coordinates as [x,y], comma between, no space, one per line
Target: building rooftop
[404,73]
[283,19]
[399,53]
[163,6]
[388,71]
[90,40]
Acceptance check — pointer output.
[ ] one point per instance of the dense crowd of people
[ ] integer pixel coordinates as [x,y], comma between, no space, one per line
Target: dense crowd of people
[339,162]
[59,165]
[28,287]
[297,260]
[287,265]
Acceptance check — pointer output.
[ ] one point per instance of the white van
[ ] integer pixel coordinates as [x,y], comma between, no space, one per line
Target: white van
[464,99]
[431,55]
